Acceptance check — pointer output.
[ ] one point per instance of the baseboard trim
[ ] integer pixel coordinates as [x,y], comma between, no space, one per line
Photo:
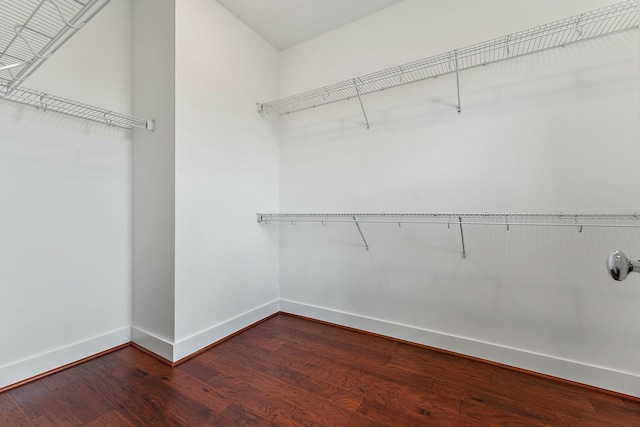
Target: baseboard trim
[175,353]
[152,344]
[210,346]
[200,341]
[40,366]
[62,368]
[152,354]
[620,384]
[623,384]
[36,367]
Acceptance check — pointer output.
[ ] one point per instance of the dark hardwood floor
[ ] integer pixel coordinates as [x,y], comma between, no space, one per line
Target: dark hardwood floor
[294,372]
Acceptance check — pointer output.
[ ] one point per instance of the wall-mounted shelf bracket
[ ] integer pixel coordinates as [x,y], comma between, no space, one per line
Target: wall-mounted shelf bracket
[366,245]
[361,106]
[464,250]
[455,52]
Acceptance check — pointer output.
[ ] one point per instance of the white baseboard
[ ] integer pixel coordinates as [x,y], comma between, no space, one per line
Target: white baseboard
[154,344]
[622,382]
[203,339]
[36,365]
[173,352]
[596,376]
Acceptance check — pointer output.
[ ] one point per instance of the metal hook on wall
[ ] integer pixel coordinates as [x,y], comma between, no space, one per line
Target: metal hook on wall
[43,104]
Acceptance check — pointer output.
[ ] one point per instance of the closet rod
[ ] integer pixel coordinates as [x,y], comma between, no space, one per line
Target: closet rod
[585,26]
[48,102]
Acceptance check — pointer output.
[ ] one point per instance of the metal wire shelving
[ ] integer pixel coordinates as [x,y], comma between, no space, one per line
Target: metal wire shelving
[576,220]
[585,26]
[47,102]
[32,30]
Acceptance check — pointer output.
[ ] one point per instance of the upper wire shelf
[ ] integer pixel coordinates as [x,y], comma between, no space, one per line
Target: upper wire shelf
[32,30]
[588,25]
[47,102]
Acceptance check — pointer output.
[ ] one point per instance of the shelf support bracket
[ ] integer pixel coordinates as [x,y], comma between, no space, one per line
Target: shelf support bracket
[464,252]
[455,52]
[363,111]
[366,245]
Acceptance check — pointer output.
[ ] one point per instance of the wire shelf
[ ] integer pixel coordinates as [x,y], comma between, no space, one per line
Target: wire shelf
[504,219]
[47,102]
[585,26]
[577,220]
[32,30]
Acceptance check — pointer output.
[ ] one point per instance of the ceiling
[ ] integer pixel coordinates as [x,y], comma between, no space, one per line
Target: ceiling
[285,23]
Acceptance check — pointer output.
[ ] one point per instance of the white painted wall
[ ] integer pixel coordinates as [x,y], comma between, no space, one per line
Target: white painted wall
[227,162]
[65,208]
[549,132]
[154,176]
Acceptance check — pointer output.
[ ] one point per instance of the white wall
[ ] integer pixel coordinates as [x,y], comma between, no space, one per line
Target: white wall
[550,132]
[65,208]
[154,176]
[226,171]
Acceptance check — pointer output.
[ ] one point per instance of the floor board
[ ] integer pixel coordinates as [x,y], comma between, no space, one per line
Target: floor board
[289,371]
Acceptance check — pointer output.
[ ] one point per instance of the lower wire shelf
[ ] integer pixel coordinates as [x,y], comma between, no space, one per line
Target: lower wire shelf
[577,220]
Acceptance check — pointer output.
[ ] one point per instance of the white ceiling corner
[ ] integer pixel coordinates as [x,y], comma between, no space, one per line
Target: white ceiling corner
[285,23]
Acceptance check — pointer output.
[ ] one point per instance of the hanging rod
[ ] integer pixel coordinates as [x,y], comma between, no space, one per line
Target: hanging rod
[32,30]
[47,102]
[577,220]
[585,26]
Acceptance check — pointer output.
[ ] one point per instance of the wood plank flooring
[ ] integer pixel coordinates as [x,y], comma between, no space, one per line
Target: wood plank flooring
[289,371]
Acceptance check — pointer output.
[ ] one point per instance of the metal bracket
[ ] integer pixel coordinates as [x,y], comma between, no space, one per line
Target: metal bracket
[464,252]
[361,106]
[366,245]
[455,52]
